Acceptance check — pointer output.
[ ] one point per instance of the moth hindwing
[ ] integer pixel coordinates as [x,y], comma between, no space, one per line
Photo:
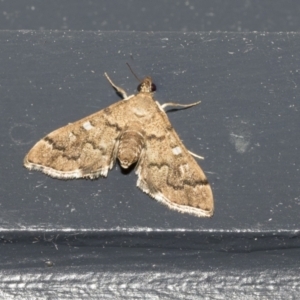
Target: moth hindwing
[136,130]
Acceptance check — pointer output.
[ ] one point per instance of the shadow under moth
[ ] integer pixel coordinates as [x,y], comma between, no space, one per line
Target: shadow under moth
[137,131]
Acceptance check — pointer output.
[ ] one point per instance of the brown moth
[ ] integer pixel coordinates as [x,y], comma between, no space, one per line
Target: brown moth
[137,131]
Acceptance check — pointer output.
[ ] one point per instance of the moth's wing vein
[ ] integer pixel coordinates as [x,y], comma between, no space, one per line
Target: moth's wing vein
[86,148]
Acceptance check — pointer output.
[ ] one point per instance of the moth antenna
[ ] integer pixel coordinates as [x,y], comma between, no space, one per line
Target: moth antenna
[133,72]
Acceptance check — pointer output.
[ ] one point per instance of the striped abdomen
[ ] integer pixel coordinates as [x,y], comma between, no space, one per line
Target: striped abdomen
[131,144]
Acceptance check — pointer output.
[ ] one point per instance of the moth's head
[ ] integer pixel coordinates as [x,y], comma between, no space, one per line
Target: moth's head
[146,86]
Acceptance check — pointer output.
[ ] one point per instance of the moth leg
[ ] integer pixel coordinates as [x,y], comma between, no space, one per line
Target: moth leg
[195,155]
[119,90]
[163,106]
[183,105]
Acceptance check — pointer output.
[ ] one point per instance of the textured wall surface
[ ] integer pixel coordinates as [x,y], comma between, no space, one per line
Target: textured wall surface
[106,238]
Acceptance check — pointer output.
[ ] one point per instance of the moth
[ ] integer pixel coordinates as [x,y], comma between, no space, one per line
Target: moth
[137,132]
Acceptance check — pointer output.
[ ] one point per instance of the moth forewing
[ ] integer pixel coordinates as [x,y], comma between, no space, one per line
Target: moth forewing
[85,148]
[134,130]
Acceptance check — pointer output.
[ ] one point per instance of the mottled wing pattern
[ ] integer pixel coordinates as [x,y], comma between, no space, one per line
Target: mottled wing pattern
[169,174]
[86,148]
[136,130]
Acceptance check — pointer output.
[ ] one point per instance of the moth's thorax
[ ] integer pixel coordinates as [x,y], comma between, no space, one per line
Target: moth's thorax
[131,143]
[143,107]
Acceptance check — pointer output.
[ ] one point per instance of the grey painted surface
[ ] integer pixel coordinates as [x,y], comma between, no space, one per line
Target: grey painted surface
[105,238]
[246,128]
[157,16]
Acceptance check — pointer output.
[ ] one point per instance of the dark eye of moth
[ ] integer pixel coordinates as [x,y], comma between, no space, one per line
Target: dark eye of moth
[153,87]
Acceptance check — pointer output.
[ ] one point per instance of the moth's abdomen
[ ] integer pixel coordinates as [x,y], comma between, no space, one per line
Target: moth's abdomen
[131,144]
